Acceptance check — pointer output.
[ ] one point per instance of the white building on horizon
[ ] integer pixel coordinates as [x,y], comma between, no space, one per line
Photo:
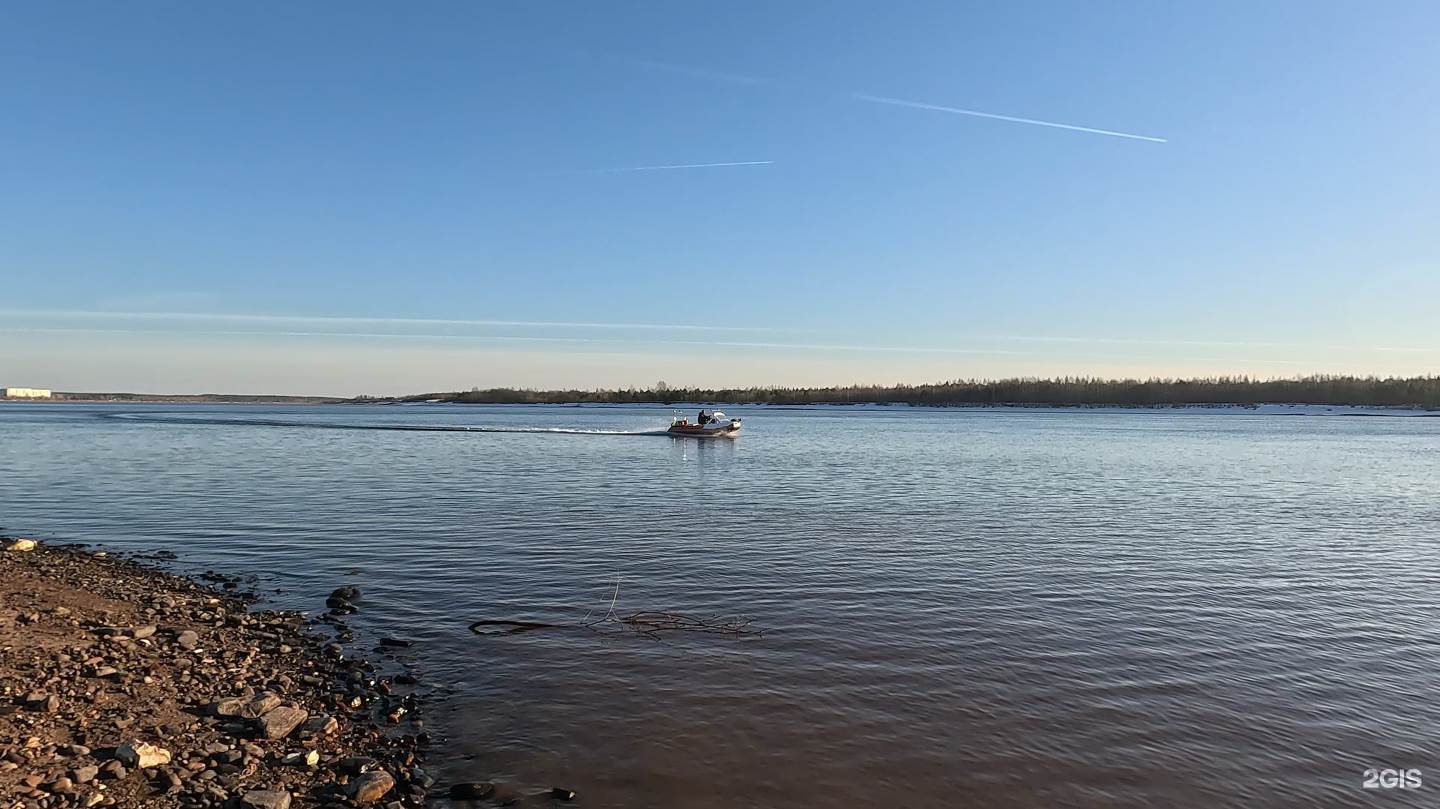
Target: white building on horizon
[27,393]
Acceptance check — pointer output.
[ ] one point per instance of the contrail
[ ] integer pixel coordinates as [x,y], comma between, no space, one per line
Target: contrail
[917,105]
[685,166]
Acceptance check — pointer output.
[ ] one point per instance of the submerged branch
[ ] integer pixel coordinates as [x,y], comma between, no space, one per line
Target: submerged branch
[509,627]
[650,624]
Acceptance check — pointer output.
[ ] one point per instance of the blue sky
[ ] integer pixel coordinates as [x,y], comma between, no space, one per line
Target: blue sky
[377,198]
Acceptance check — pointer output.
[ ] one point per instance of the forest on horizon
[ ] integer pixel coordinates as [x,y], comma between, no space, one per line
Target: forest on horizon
[1420,391]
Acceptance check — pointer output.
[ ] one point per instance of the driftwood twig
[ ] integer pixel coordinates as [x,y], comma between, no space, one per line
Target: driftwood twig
[649,624]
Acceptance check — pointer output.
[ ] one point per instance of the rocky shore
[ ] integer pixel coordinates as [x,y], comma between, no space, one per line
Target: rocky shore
[122,685]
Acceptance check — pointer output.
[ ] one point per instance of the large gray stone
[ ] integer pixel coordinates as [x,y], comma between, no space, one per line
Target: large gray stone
[230,706]
[319,725]
[259,705]
[278,723]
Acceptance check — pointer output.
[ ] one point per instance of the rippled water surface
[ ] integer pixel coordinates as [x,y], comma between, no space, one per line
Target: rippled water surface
[959,608]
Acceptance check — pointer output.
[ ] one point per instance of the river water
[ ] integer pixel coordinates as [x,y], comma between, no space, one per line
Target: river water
[957,608]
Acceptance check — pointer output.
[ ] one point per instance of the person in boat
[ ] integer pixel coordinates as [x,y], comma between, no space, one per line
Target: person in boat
[703,418]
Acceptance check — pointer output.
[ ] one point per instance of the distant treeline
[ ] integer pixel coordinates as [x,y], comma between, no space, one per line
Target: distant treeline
[198,398]
[1066,392]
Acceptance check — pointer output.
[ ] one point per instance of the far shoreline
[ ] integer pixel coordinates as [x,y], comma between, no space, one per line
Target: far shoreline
[1197,409]
[1374,393]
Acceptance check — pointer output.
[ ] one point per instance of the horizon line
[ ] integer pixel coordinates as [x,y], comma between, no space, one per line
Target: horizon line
[1240,379]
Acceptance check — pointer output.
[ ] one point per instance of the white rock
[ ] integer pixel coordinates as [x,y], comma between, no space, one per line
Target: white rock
[21,545]
[138,755]
[307,759]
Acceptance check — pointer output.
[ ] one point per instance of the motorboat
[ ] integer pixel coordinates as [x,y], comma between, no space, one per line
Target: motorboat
[707,425]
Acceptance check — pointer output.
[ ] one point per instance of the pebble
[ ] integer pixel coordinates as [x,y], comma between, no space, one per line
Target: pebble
[371,787]
[265,799]
[307,759]
[355,765]
[187,640]
[84,775]
[21,545]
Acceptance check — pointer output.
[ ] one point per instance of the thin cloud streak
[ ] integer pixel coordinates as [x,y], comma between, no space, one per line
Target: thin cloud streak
[1221,343]
[684,166]
[976,113]
[540,324]
[515,339]
[399,321]
[603,341]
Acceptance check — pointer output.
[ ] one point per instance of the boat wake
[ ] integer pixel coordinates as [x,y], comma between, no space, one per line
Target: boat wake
[408,428]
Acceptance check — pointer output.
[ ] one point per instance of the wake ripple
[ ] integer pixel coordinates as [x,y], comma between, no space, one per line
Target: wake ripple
[408,428]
